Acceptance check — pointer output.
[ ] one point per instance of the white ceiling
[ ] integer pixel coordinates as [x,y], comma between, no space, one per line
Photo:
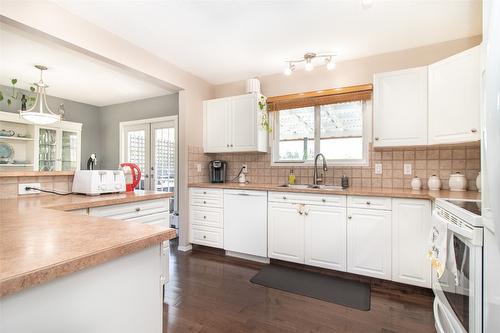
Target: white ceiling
[70,75]
[228,40]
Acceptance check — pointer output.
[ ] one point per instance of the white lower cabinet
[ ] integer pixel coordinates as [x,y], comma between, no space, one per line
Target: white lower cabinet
[147,212]
[325,237]
[369,242]
[410,229]
[206,217]
[285,232]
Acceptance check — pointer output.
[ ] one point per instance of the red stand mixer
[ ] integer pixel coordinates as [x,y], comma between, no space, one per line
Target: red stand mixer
[132,174]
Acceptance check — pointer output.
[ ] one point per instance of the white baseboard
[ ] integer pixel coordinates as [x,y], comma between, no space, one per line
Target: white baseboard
[185,248]
[247,257]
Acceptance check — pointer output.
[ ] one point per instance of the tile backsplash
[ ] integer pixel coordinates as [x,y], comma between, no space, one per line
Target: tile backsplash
[9,185]
[425,161]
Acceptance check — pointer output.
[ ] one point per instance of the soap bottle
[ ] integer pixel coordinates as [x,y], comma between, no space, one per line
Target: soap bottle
[291,178]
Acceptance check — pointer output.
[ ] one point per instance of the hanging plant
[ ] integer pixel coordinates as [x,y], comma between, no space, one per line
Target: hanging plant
[264,118]
[17,96]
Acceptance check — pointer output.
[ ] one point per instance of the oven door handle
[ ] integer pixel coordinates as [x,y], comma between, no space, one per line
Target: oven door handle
[463,231]
[437,318]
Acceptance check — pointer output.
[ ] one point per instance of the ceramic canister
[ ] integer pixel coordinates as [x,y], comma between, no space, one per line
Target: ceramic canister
[434,183]
[416,183]
[457,182]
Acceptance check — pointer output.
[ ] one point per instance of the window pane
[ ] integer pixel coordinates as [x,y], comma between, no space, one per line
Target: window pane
[342,148]
[296,134]
[342,131]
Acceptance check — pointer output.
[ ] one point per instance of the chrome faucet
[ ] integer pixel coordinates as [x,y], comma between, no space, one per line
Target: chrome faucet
[318,179]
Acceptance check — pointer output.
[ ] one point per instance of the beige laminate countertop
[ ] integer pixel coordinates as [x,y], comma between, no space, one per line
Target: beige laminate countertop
[40,240]
[378,192]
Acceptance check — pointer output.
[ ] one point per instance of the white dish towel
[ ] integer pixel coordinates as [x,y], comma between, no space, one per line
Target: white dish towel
[438,243]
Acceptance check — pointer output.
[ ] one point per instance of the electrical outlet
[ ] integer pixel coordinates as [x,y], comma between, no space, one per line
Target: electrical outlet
[245,168]
[198,167]
[378,168]
[407,169]
[21,190]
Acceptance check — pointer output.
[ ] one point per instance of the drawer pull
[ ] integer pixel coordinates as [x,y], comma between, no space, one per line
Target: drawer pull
[204,217]
[138,209]
[204,202]
[323,200]
[473,130]
[368,203]
[204,237]
[349,217]
[284,198]
[204,192]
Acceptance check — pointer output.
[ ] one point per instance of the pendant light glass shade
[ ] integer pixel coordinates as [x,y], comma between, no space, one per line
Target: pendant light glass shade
[40,112]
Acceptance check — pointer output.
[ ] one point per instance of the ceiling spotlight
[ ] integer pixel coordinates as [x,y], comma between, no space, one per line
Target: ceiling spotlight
[367,3]
[289,69]
[330,63]
[308,59]
[309,65]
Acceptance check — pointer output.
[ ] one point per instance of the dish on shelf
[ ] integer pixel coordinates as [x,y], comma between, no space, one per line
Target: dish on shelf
[21,162]
[6,153]
[7,132]
[23,136]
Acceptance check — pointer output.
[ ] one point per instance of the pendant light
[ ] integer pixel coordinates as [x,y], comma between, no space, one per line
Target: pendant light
[40,112]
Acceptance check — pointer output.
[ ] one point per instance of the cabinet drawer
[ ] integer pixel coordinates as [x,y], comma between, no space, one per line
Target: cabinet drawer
[161,219]
[131,210]
[206,192]
[207,202]
[311,199]
[208,217]
[207,236]
[369,202]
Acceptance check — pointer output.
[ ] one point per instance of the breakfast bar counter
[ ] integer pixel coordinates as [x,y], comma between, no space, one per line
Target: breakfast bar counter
[40,241]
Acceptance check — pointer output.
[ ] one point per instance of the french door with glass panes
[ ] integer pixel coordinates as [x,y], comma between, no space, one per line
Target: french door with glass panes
[153,147]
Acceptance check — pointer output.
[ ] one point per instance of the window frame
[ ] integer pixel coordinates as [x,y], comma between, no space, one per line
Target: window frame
[366,136]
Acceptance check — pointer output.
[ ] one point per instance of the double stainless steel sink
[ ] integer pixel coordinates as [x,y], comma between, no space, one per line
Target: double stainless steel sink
[314,187]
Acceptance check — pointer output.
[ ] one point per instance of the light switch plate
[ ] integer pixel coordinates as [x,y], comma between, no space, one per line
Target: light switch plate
[21,190]
[198,167]
[407,169]
[378,168]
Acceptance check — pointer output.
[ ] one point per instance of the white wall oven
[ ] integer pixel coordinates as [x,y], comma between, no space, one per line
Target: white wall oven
[458,301]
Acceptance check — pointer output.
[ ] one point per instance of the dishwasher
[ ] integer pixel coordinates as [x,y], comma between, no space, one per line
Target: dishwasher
[245,222]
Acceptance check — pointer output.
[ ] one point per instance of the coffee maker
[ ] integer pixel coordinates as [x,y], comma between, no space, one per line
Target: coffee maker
[217,171]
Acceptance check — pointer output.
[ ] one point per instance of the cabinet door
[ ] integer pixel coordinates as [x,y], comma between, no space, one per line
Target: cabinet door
[400,108]
[285,232]
[244,123]
[47,149]
[411,221]
[325,237]
[70,150]
[216,125]
[369,242]
[454,98]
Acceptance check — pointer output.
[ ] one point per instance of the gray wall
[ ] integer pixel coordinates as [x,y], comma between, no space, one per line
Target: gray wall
[112,115]
[100,129]
[86,114]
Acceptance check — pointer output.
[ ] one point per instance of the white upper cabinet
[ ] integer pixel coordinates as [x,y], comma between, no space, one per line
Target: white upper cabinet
[216,124]
[411,224]
[400,108]
[233,124]
[454,98]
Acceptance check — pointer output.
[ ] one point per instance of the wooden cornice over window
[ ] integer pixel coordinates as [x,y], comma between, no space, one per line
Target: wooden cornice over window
[321,97]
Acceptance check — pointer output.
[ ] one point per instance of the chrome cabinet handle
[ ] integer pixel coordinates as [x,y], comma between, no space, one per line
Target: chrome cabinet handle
[349,217]
[204,236]
[284,198]
[138,209]
[306,213]
[204,202]
[204,192]
[231,145]
[323,200]
[205,217]
[227,145]
[376,138]
[473,130]
[368,203]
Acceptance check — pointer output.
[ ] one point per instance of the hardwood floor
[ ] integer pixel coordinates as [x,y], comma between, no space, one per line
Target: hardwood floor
[208,292]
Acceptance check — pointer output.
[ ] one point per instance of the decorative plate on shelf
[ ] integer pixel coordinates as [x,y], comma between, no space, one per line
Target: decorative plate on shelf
[7,132]
[6,153]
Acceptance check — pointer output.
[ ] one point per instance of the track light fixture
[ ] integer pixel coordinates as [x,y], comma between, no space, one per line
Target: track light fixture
[309,64]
